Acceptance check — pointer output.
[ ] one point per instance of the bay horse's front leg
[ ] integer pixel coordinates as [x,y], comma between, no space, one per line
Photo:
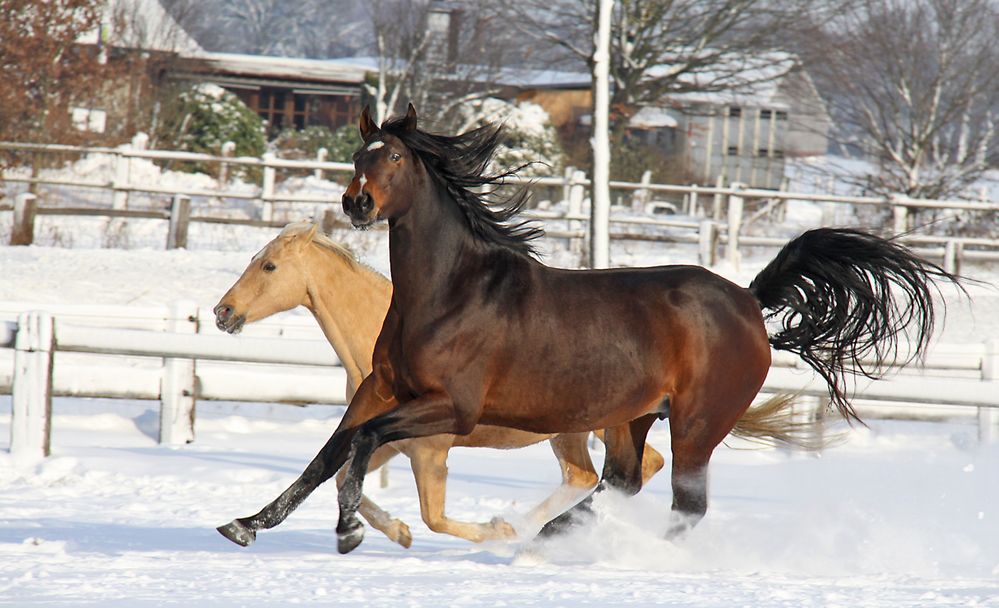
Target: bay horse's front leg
[429,414]
[365,405]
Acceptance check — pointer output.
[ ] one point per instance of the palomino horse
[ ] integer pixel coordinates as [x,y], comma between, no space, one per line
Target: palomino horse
[480,332]
[349,300]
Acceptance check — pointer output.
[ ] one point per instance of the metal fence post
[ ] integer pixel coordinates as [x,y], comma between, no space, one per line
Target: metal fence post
[735,205]
[31,415]
[23,230]
[178,388]
[988,417]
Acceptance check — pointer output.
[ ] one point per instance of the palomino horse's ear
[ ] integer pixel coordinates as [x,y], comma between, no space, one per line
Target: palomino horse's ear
[409,122]
[303,238]
[366,125]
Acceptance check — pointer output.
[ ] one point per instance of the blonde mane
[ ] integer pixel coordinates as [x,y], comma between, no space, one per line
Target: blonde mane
[319,238]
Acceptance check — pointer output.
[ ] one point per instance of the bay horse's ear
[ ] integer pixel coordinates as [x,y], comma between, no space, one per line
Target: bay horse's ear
[366,125]
[409,122]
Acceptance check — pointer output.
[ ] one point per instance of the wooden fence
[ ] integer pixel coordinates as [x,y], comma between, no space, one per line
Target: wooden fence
[960,375]
[714,216]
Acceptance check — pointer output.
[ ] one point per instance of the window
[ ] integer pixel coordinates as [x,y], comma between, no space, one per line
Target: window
[765,114]
[733,150]
[271,107]
[781,115]
[778,154]
[763,152]
[735,111]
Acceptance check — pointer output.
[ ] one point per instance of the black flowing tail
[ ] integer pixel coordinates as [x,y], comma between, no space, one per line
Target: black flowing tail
[843,298]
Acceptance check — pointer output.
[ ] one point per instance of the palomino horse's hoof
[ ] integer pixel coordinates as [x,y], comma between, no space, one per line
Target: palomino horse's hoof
[238,533]
[349,536]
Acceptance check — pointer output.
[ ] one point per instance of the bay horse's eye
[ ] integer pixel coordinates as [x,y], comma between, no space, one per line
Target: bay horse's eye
[394,157]
[269,267]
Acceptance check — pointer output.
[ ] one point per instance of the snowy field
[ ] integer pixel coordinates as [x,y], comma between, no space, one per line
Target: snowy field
[900,514]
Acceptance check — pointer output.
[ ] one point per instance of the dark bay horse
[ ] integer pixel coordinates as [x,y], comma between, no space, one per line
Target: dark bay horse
[479,332]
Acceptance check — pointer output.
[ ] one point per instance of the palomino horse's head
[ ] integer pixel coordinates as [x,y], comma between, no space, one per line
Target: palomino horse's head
[385,174]
[274,281]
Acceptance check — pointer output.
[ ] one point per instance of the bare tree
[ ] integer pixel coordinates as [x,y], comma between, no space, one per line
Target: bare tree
[661,47]
[436,57]
[914,84]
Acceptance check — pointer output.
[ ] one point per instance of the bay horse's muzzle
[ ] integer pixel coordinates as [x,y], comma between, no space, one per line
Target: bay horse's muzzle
[227,320]
[359,208]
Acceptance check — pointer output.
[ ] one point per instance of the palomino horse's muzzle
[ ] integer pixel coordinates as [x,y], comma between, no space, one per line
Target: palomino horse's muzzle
[227,320]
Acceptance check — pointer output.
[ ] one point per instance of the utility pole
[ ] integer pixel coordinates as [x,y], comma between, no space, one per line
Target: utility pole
[600,141]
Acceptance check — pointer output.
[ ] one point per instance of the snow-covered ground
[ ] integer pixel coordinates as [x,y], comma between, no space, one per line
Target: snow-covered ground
[901,514]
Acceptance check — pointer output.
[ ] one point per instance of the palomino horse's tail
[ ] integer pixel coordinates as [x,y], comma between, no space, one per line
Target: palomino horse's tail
[843,298]
[772,423]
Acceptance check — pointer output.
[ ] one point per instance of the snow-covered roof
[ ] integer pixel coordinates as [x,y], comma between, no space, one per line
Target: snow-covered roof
[651,117]
[752,81]
[283,67]
[145,25]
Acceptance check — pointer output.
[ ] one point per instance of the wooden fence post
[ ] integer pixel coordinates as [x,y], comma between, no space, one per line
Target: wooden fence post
[952,256]
[178,388]
[31,415]
[23,230]
[900,216]
[119,185]
[321,155]
[577,192]
[643,195]
[328,221]
[228,149]
[180,219]
[988,417]
[735,205]
[267,188]
[707,243]
[717,202]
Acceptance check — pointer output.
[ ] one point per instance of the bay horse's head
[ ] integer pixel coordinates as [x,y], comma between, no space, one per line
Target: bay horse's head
[274,281]
[385,173]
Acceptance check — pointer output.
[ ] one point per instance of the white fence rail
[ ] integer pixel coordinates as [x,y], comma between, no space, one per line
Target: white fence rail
[964,375]
[717,215]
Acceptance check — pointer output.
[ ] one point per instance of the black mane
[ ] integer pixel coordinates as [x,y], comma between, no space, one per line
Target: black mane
[460,162]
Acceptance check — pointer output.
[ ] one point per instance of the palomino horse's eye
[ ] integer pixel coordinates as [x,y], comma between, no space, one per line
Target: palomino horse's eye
[394,157]
[269,267]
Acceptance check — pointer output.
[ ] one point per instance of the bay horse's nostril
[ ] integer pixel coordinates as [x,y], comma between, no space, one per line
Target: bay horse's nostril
[364,202]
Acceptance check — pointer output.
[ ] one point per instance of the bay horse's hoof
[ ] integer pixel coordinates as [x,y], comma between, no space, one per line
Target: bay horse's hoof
[238,533]
[349,536]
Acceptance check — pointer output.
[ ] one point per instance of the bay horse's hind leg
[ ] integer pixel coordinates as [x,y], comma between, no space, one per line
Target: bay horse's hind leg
[622,470]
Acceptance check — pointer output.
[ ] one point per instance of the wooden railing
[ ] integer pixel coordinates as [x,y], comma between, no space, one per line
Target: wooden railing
[961,375]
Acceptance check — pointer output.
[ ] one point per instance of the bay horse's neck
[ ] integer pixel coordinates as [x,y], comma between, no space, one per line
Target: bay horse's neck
[426,245]
[349,301]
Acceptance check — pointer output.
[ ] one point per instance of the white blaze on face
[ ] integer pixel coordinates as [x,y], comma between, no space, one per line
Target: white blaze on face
[374,145]
[362,180]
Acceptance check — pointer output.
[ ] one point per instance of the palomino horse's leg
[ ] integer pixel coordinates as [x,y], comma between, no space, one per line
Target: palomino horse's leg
[652,460]
[395,529]
[364,406]
[430,414]
[622,470]
[429,464]
[578,475]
